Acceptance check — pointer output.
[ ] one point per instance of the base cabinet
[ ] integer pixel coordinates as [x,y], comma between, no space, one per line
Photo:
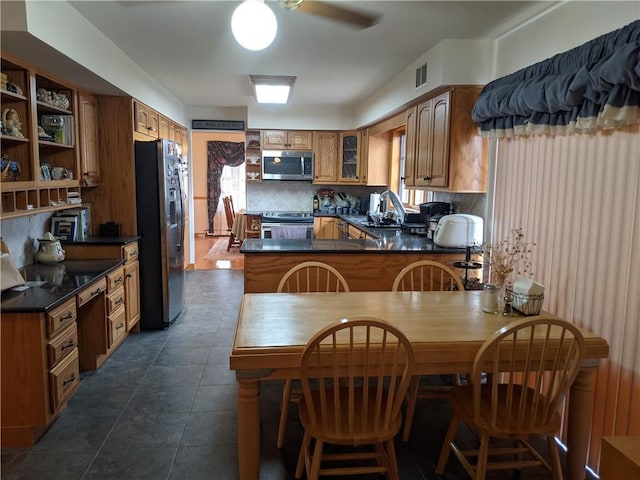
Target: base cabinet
[131,273]
[325,228]
[35,389]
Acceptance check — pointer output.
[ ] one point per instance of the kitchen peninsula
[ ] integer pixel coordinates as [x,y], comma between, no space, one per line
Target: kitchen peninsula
[367,264]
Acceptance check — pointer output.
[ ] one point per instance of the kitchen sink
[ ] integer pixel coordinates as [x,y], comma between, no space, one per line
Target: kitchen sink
[368,224]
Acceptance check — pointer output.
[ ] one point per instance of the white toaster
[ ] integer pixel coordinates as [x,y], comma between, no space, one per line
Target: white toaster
[458,231]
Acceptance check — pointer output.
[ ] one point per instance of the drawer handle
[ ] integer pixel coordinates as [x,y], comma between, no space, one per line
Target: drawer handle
[67,316]
[96,291]
[118,280]
[70,380]
[119,326]
[129,275]
[134,253]
[119,301]
[71,344]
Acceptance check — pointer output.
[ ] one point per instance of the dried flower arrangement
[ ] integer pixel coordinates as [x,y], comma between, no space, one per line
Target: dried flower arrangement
[509,255]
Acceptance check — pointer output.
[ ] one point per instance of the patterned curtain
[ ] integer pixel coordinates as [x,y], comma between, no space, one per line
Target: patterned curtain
[592,87]
[220,154]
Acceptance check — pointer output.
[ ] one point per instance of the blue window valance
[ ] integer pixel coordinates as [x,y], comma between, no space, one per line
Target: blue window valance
[591,87]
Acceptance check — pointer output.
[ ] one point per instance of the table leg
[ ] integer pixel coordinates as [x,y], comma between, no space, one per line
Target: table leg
[248,429]
[579,426]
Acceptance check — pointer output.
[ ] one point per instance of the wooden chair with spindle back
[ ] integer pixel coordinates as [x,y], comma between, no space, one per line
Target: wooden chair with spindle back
[425,276]
[305,277]
[355,374]
[533,362]
[230,213]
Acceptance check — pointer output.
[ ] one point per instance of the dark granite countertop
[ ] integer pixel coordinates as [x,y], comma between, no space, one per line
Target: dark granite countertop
[389,240]
[103,240]
[61,282]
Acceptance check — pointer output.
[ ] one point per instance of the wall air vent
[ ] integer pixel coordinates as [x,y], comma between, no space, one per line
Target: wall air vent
[421,75]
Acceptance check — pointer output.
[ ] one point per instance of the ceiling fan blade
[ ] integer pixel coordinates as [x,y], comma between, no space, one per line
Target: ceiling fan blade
[334,12]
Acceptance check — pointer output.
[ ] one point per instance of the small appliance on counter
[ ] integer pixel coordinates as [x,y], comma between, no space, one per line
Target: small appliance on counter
[459,230]
[414,225]
[431,213]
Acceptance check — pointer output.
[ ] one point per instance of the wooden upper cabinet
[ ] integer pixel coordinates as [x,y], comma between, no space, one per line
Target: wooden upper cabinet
[375,152]
[147,120]
[163,127]
[444,151]
[325,161]
[89,152]
[287,140]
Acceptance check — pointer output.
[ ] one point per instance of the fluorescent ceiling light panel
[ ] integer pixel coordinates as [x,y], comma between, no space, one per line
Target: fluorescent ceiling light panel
[271,88]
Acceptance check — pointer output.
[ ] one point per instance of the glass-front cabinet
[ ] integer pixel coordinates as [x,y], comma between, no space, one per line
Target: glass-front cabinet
[349,158]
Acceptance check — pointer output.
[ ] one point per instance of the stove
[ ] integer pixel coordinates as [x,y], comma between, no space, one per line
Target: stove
[287,217]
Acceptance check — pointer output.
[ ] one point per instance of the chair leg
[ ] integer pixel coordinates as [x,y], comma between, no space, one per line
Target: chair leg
[556,467]
[316,460]
[284,412]
[231,240]
[446,445]
[306,440]
[412,398]
[483,453]
[392,461]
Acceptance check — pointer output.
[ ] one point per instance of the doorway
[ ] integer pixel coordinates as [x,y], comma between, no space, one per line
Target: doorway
[210,250]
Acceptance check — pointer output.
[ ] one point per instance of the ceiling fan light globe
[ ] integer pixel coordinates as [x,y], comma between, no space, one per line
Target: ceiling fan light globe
[254,25]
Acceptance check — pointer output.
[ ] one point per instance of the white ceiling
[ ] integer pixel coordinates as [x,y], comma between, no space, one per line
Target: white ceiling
[188,46]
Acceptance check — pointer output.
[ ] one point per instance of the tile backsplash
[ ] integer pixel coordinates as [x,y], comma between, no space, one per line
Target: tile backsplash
[21,234]
[293,196]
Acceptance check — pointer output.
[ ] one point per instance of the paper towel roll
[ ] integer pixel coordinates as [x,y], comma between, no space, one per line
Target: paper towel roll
[374,203]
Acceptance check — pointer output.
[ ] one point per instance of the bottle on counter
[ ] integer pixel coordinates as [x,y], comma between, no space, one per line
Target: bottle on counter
[316,203]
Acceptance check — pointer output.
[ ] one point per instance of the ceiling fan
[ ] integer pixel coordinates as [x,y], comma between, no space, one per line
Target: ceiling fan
[332,11]
[318,8]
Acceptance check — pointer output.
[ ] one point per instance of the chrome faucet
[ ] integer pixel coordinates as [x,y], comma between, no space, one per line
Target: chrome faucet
[398,209]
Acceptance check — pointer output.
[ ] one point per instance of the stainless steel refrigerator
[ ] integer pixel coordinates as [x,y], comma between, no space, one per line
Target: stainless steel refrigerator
[160,213]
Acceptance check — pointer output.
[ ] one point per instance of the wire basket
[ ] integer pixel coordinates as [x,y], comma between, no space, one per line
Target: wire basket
[526,304]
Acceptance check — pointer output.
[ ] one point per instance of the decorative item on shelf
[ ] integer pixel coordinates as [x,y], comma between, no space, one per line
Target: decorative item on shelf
[3,81]
[11,123]
[253,144]
[253,175]
[45,172]
[9,86]
[56,99]
[253,160]
[44,136]
[9,169]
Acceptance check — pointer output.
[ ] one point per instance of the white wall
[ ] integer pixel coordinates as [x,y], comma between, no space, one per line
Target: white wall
[569,25]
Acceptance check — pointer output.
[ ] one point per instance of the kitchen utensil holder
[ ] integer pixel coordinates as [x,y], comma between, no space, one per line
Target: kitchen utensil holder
[526,304]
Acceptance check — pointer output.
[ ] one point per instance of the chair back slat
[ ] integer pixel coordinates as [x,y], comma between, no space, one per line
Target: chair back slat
[426,275]
[229,211]
[312,277]
[532,364]
[360,370]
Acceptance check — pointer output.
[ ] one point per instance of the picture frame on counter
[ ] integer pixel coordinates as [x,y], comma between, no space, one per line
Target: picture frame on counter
[65,228]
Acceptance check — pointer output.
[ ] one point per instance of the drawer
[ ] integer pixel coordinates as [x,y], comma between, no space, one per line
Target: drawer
[130,252]
[117,325]
[115,279]
[64,380]
[88,293]
[60,317]
[63,345]
[115,299]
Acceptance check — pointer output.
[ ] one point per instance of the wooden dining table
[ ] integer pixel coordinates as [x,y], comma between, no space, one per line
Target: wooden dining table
[446,329]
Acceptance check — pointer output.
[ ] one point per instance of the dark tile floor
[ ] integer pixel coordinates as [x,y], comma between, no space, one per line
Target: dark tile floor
[164,407]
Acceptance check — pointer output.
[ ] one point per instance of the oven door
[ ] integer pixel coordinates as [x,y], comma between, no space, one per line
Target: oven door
[287,230]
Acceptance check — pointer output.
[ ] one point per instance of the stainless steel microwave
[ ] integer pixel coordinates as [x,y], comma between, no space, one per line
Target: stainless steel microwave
[287,165]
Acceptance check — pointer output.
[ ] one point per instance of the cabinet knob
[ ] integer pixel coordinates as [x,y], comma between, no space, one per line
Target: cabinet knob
[426,178]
